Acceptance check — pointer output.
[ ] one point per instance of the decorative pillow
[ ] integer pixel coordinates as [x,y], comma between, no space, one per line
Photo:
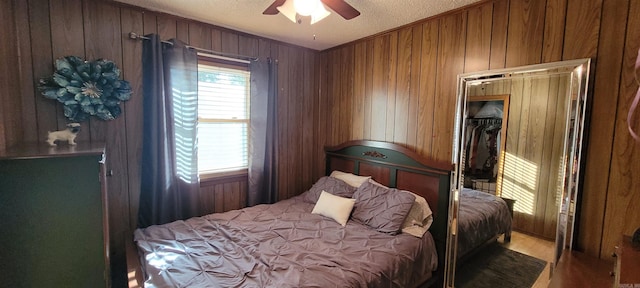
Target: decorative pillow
[335,207]
[380,208]
[328,184]
[351,179]
[374,182]
[419,218]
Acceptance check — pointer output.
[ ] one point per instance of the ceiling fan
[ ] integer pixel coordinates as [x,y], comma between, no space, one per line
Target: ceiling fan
[314,8]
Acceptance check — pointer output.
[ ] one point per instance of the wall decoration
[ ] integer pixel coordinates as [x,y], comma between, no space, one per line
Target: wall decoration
[69,134]
[86,88]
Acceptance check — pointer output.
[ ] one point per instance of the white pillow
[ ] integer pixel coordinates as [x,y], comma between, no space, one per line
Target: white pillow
[419,218]
[351,179]
[335,207]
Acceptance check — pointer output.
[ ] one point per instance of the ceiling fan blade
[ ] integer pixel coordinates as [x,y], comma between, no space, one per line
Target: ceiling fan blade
[273,9]
[342,8]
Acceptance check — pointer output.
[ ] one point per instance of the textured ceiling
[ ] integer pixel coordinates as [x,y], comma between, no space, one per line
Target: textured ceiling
[246,15]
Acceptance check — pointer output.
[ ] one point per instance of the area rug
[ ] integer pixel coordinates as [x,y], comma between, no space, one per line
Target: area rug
[496,266]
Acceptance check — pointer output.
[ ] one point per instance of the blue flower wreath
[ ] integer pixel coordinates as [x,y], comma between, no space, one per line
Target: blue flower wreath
[86,88]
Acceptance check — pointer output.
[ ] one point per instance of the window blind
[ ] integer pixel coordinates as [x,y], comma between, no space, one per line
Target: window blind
[223,118]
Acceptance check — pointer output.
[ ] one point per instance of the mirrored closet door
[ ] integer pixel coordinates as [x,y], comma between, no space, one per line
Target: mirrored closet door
[517,154]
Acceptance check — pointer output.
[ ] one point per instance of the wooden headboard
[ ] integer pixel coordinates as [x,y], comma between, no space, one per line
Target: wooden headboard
[398,167]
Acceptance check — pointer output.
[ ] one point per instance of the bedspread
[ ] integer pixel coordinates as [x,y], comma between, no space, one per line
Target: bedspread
[280,245]
[481,217]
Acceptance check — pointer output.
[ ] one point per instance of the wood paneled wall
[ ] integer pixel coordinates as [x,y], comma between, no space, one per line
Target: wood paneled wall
[400,86]
[10,110]
[622,210]
[43,30]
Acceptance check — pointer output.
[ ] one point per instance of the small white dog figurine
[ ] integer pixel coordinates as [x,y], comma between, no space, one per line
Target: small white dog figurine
[68,134]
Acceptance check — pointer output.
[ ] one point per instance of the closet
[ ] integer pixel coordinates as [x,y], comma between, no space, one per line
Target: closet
[487,129]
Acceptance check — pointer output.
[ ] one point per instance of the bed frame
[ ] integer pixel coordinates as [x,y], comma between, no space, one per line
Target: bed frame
[398,167]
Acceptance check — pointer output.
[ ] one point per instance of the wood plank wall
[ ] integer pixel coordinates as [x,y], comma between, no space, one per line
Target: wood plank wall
[622,210]
[40,31]
[400,86]
[10,110]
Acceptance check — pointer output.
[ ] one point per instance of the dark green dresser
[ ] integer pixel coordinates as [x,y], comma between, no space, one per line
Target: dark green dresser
[53,216]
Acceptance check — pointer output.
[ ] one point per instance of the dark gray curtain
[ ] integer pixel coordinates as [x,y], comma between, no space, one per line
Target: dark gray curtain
[263,143]
[169,175]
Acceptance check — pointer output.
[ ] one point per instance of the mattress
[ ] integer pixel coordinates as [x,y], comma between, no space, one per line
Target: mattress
[482,216]
[280,245]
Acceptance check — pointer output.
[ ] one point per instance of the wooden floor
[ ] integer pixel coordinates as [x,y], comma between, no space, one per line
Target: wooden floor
[535,247]
[134,272]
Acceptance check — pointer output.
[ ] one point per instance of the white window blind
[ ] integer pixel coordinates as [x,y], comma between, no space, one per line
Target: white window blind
[223,118]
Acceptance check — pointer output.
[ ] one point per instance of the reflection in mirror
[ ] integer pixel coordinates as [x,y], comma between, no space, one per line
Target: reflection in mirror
[517,153]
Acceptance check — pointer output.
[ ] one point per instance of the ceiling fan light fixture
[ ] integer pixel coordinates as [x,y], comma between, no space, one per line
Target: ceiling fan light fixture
[288,10]
[292,8]
[317,9]
[319,14]
[306,7]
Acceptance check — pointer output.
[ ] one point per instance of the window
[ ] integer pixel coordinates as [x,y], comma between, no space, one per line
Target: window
[223,117]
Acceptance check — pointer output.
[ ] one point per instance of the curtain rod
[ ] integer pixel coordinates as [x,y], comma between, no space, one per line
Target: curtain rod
[221,55]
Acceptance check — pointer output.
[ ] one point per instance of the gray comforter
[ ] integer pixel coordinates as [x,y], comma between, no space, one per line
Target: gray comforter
[481,217]
[280,245]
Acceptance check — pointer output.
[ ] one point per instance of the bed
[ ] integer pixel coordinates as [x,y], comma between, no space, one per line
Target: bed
[482,218]
[284,245]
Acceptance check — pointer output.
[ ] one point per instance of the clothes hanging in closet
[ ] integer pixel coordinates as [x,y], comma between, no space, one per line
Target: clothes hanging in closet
[483,140]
